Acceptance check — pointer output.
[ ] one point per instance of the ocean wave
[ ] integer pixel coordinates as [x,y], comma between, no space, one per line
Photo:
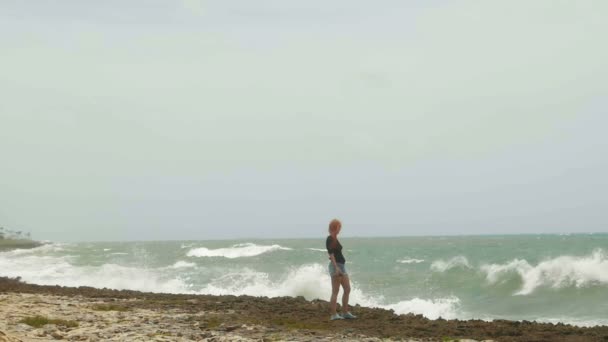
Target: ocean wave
[410,261]
[580,322]
[183,264]
[236,251]
[50,270]
[430,308]
[46,248]
[559,272]
[317,249]
[310,281]
[455,262]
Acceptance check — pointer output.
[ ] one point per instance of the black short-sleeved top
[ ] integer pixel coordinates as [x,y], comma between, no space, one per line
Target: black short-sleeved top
[334,247]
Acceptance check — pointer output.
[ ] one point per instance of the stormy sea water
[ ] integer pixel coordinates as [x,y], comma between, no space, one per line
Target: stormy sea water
[548,278]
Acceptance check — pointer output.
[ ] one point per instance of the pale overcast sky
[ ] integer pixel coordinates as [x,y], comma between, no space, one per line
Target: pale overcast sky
[145,120]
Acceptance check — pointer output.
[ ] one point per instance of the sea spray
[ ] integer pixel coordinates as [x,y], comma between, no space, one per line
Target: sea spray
[410,261]
[447,308]
[59,271]
[236,251]
[183,264]
[446,265]
[495,277]
[309,281]
[563,271]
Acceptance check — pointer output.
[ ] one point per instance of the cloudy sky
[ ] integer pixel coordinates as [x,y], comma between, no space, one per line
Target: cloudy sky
[146,120]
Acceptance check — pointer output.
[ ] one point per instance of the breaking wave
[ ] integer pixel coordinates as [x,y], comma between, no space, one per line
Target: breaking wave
[559,272]
[303,273]
[446,265]
[410,261]
[312,282]
[183,264]
[431,308]
[47,270]
[236,251]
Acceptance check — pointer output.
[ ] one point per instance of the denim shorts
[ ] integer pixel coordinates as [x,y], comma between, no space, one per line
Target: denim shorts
[332,269]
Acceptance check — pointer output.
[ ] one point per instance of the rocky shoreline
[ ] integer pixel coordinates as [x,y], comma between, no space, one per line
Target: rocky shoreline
[89,314]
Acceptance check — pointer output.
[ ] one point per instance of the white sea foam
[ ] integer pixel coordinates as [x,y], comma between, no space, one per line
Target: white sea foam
[445,265]
[312,282]
[496,272]
[317,249]
[410,261]
[42,265]
[430,308]
[119,253]
[183,264]
[46,248]
[50,270]
[584,322]
[237,251]
[559,272]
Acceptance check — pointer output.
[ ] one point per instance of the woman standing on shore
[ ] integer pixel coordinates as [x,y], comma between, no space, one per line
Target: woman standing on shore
[337,272]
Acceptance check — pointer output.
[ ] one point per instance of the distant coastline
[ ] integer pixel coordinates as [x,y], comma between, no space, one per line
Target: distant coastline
[9,244]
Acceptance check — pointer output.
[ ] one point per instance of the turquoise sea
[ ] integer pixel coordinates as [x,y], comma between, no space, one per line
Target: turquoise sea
[551,278]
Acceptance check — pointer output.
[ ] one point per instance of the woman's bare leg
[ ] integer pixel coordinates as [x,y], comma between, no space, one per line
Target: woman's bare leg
[345,281]
[335,289]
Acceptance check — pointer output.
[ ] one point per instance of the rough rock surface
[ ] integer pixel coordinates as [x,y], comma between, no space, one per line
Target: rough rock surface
[111,315]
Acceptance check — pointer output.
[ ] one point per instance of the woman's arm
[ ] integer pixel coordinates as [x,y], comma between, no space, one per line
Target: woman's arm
[333,261]
[331,244]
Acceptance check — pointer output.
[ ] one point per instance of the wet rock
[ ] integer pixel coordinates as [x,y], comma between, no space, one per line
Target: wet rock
[5,338]
[57,335]
[229,328]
